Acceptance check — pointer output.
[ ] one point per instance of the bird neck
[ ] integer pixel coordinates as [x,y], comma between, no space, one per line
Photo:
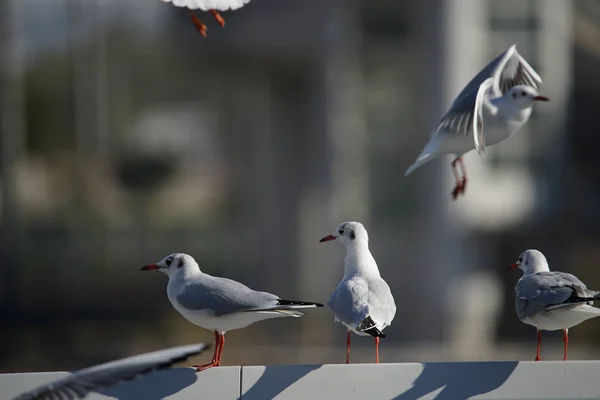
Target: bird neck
[359,260]
[538,267]
[512,110]
[186,273]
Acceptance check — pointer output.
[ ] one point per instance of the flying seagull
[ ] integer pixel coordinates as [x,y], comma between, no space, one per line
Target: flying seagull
[491,108]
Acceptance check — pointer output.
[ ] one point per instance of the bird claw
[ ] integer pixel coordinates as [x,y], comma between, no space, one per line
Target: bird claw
[537,359]
[218,17]
[200,26]
[206,366]
[459,189]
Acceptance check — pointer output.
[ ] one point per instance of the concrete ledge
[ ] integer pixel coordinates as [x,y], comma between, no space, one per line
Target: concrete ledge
[476,380]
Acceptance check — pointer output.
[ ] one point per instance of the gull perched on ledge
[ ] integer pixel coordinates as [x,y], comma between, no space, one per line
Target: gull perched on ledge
[551,300]
[362,301]
[219,304]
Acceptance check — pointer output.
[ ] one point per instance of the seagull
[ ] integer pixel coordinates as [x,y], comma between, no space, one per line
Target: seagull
[362,301]
[208,5]
[80,383]
[219,304]
[551,300]
[492,107]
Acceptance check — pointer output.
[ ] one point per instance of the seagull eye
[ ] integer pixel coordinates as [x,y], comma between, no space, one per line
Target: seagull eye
[169,261]
[523,94]
[341,231]
[520,259]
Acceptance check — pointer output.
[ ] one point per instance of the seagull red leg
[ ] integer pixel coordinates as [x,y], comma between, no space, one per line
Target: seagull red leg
[464,174]
[348,348]
[218,17]
[537,356]
[377,350]
[200,26]
[214,361]
[461,182]
[222,336]
[566,340]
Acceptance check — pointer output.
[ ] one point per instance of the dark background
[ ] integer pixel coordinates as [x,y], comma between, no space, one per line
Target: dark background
[126,136]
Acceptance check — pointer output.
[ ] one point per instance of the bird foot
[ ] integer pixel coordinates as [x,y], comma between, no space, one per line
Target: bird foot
[200,26]
[218,17]
[537,359]
[459,189]
[206,366]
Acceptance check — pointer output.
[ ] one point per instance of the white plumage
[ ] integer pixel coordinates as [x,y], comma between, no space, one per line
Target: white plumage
[213,6]
[206,5]
[551,300]
[219,304]
[362,301]
[493,106]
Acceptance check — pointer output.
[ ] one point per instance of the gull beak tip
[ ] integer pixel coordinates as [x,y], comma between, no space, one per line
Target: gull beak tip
[150,267]
[513,266]
[541,98]
[327,238]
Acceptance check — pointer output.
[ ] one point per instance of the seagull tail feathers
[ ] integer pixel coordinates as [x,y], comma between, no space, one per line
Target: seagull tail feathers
[430,152]
[423,159]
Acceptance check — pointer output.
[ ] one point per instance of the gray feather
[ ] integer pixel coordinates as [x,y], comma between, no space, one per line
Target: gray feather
[356,299]
[542,291]
[80,383]
[221,296]
[509,69]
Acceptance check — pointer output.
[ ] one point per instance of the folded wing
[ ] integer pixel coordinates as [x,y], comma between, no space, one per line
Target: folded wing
[544,291]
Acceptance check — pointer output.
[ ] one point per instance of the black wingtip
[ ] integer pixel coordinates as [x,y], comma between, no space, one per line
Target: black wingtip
[367,325]
[375,332]
[283,302]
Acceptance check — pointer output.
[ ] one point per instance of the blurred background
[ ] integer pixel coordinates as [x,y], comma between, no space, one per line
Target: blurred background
[125,136]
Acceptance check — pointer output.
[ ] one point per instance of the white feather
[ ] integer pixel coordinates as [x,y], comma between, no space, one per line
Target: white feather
[206,5]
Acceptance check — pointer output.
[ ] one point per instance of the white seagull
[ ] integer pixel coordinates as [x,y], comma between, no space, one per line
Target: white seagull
[208,5]
[492,107]
[80,383]
[219,304]
[551,300]
[362,301]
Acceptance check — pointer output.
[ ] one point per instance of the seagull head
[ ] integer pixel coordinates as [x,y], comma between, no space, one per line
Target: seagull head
[173,264]
[531,261]
[524,96]
[348,233]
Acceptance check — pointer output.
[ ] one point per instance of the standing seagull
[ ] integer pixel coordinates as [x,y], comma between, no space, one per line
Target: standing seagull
[551,300]
[208,5]
[80,383]
[362,302]
[219,304]
[492,107]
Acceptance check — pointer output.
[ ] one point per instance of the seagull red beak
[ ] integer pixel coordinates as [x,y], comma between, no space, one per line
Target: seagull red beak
[327,239]
[541,98]
[150,267]
[515,265]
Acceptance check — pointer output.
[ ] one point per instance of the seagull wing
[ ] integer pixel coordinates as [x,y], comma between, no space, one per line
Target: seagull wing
[80,383]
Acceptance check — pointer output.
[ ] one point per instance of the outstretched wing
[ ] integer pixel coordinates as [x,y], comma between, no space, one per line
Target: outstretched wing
[80,383]
[506,70]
